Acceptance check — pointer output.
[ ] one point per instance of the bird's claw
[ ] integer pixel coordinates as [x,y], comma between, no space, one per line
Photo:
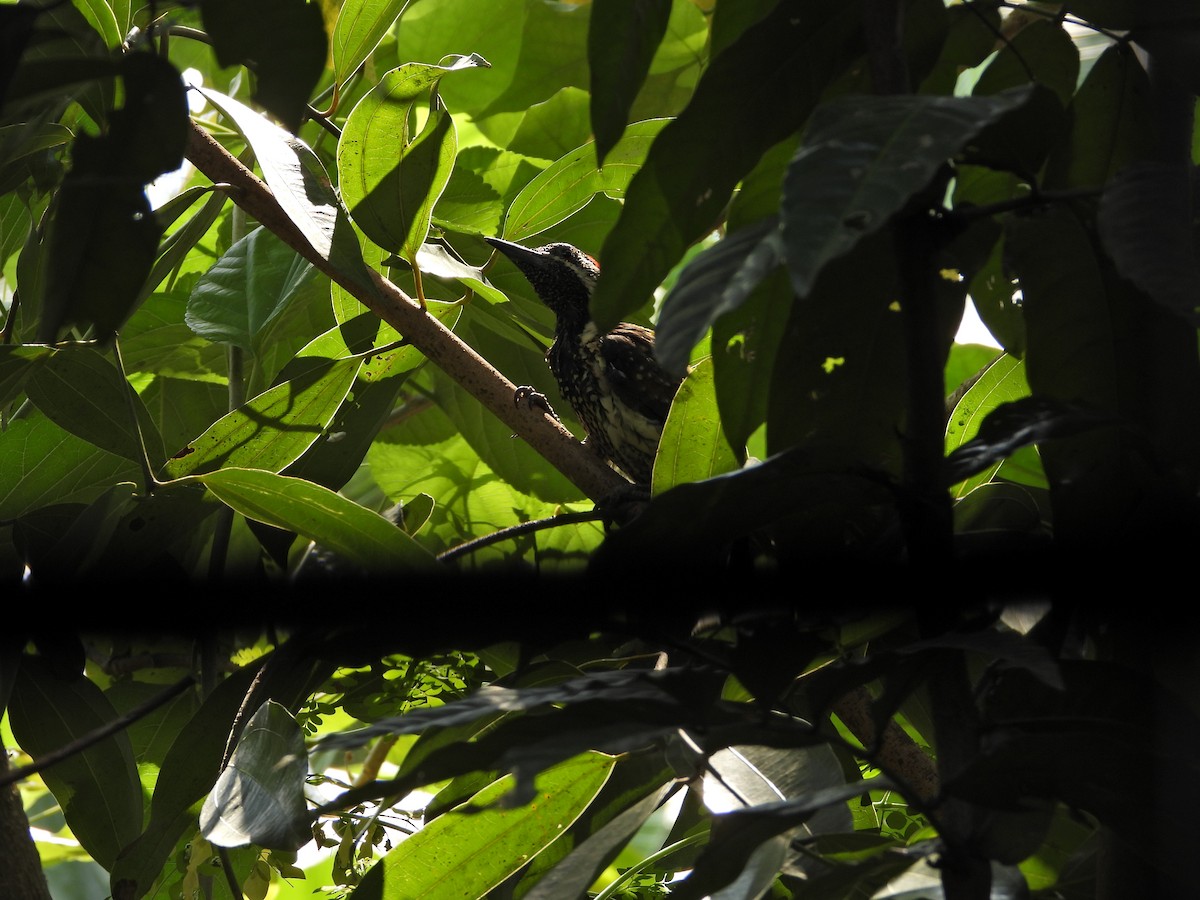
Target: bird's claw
[528,395]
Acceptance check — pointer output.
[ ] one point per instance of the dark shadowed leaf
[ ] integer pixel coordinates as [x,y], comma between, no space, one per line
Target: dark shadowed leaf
[97,788]
[84,393]
[715,282]
[861,161]
[1110,123]
[622,38]
[761,88]
[738,835]
[102,241]
[632,688]
[695,522]
[17,363]
[1145,221]
[573,875]
[285,41]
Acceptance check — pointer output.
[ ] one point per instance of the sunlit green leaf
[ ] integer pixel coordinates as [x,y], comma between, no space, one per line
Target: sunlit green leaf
[390,177]
[273,429]
[488,841]
[693,445]
[570,182]
[361,25]
[359,535]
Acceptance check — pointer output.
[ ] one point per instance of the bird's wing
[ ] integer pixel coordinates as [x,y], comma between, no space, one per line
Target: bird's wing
[636,380]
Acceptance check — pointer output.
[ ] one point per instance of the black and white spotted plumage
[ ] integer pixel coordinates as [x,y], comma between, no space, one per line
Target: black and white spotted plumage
[615,386]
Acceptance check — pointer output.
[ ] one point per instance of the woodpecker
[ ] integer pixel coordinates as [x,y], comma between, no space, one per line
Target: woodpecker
[619,392]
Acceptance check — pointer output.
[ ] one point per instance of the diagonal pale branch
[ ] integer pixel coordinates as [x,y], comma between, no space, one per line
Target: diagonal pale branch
[471,371]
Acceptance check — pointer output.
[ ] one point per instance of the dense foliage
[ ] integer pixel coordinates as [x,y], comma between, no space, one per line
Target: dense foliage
[864,637]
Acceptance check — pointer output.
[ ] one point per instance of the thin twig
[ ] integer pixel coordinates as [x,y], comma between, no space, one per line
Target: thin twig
[96,735]
[515,531]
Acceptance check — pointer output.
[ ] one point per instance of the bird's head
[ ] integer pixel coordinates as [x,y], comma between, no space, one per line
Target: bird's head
[561,275]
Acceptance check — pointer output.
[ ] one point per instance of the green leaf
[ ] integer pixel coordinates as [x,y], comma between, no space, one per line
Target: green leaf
[1002,382]
[176,246]
[242,294]
[285,40]
[473,501]
[389,178]
[44,463]
[272,430]
[15,225]
[99,14]
[17,363]
[358,534]
[98,787]
[693,445]
[494,31]
[18,143]
[193,763]
[1013,425]
[301,186]
[333,461]
[84,393]
[259,797]
[761,89]
[862,159]
[469,851]
[623,36]
[637,788]
[360,26]
[567,185]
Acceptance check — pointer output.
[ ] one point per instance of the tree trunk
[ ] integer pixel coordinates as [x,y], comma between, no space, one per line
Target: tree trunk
[20,867]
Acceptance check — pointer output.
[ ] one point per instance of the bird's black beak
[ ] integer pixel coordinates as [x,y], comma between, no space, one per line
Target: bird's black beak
[522,257]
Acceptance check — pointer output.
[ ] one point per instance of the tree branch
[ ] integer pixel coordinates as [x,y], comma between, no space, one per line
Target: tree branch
[458,360]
